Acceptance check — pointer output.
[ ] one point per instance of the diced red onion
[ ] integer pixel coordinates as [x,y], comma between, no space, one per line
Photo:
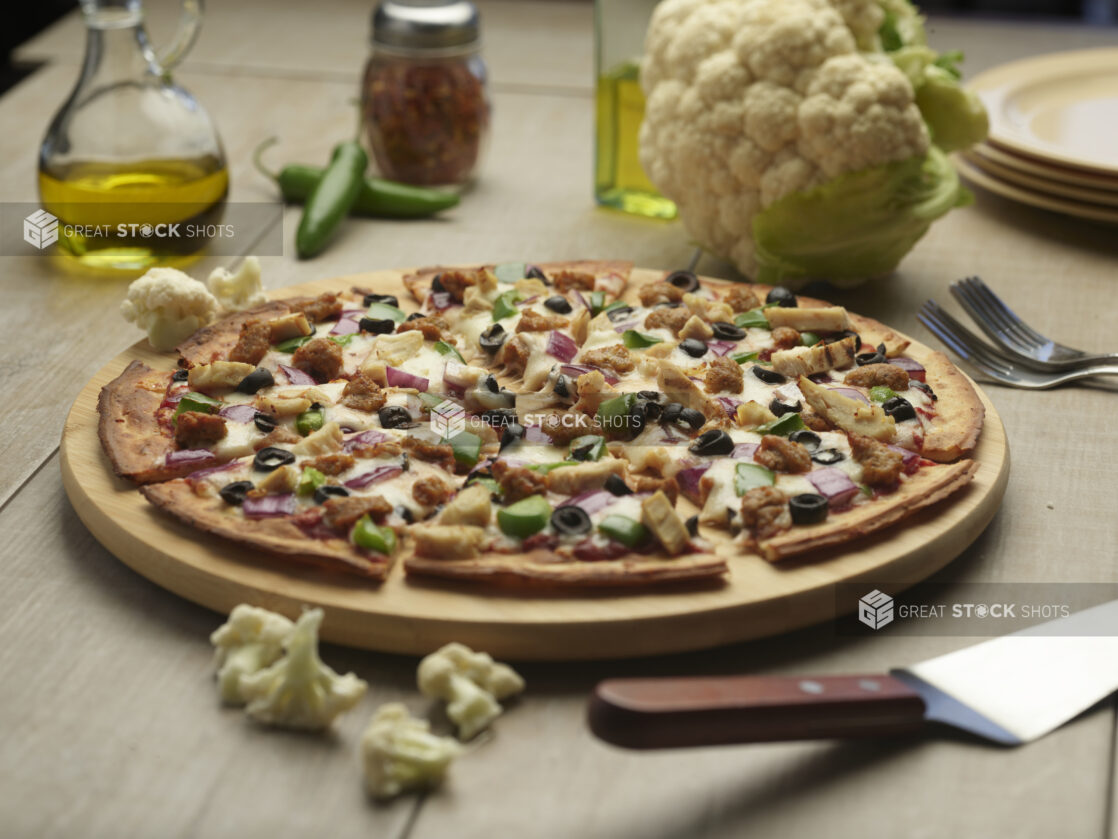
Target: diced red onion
[238,413]
[744,451]
[851,393]
[834,485]
[174,398]
[591,501]
[911,366]
[627,325]
[365,438]
[729,403]
[441,300]
[353,314]
[577,370]
[400,378]
[911,459]
[534,434]
[721,347]
[297,377]
[189,457]
[688,480]
[345,326]
[269,506]
[581,299]
[378,473]
[820,378]
[456,378]
[561,347]
[529,301]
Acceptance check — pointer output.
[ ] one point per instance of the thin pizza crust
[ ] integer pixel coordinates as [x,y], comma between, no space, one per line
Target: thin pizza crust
[928,486]
[130,432]
[216,341]
[277,536]
[545,568]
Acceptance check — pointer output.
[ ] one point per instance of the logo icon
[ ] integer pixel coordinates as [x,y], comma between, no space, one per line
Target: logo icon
[875,609]
[40,229]
[147,231]
[448,418]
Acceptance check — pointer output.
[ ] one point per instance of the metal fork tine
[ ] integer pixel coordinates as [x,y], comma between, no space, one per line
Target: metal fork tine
[997,306]
[976,349]
[997,321]
[949,340]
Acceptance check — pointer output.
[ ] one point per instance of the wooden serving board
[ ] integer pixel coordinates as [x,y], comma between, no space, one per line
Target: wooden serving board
[407,616]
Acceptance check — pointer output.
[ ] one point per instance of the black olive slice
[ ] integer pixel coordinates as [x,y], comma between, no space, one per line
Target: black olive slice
[405,513]
[713,442]
[724,331]
[827,456]
[234,493]
[672,411]
[683,280]
[693,418]
[558,304]
[377,326]
[869,358]
[394,416]
[807,508]
[806,438]
[264,422]
[562,387]
[570,520]
[692,525]
[899,408]
[270,458]
[492,338]
[386,299]
[180,376]
[513,431]
[620,313]
[770,377]
[782,297]
[534,273]
[779,408]
[327,491]
[924,386]
[415,316]
[615,485]
[437,284]
[259,378]
[694,347]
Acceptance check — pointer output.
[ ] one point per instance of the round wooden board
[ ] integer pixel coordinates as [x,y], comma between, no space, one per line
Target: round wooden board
[406,616]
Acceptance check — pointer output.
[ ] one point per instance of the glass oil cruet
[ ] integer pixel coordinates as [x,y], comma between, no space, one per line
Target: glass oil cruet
[130,150]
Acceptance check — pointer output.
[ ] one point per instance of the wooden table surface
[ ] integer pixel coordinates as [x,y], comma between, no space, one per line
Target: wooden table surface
[111,723]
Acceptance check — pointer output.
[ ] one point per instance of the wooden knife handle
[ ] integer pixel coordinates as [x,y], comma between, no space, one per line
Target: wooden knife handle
[667,713]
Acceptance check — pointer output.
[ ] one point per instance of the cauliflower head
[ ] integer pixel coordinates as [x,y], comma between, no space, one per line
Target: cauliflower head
[763,112]
[299,690]
[471,683]
[248,642]
[169,305]
[400,753]
[238,291]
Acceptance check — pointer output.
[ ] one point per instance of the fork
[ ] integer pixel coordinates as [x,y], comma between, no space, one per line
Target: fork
[995,364]
[1025,345]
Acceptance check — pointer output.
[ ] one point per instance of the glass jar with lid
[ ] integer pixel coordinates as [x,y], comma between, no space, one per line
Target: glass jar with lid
[424,101]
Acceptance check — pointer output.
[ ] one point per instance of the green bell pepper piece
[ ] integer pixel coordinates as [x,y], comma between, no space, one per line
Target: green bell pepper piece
[597,301]
[510,272]
[342,340]
[371,537]
[629,532]
[443,348]
[310,480]
[881,393]
[614,413]
[466,447]
[505,304]
[747,476]
[782,426]
[525,517]
[639,340]
[383,311]
[754,318]
[742,358]
[309,421]
[544,468]
[292,344]
[588,447]
[809,339]
[199,402]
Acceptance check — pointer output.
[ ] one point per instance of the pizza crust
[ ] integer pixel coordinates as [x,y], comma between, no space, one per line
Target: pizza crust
[130,432]
[277,536]
[217,340]
[541,567]
[926,487]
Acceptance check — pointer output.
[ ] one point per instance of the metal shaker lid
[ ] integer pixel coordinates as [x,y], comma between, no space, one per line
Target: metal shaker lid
[425,24]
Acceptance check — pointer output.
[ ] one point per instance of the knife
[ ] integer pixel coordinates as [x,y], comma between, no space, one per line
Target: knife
[1009,690]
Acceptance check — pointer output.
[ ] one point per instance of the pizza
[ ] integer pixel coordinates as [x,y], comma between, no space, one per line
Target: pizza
[556,425]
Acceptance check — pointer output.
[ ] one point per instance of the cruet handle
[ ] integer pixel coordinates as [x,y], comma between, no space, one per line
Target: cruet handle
[189,23]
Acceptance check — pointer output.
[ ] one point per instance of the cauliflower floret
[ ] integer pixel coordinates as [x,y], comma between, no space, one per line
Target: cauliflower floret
[299,691]
[248,642]
[400,753]
[169,305]
[470,683]
[238,291]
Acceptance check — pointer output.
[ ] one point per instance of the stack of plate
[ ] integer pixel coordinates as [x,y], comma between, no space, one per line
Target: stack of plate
[1053,133]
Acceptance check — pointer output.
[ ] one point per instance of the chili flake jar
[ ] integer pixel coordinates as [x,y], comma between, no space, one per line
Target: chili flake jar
[424,103]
